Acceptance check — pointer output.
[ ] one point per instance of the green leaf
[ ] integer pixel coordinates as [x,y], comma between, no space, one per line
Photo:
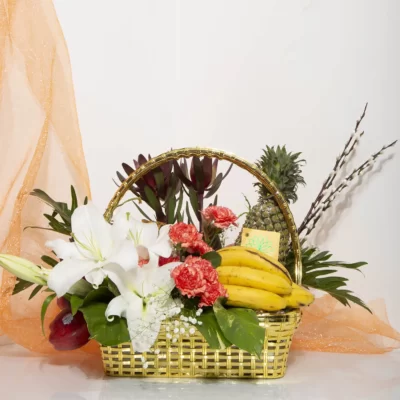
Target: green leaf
[211,331]
[100,295]
[153,201]
[57,225]
[49,261]
[159,178]
[142,212]
[179,208]
[181,175]
[215,186]
[74,202]
[189,217]
[35,291]
[45,306]
[112,287]
[194,202]
[21,285]
[228,171]
[241,327]
[38,227]
[107,333]
[213,257]
[199,174]
[54,204]
[170,209]
[76,303]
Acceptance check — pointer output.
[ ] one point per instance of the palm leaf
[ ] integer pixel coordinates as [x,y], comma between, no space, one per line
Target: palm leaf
[320,272]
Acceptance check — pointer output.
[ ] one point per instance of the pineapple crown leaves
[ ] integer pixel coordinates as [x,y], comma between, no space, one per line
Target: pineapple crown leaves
[284,169]
[320,272]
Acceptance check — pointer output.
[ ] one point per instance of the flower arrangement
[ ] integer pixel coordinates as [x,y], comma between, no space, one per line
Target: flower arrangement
[120,280]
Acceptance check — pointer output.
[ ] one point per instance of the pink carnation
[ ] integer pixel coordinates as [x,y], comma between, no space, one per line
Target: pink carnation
[184,234]
[189,280]
[212,293]
[197,278]
[222,217]
[206,268]
[200,247]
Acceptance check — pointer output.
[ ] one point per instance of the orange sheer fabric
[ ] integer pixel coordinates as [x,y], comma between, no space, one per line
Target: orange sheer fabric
[41,148]
[329,326]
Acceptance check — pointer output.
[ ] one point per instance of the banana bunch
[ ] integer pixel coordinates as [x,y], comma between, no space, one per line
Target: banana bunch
[255,280]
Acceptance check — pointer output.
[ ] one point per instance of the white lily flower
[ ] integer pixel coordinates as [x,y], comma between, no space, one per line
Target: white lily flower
[150,242]
[145,301]
[97,245]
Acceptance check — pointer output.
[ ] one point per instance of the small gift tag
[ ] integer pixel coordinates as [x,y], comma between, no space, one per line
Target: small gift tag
[264,241]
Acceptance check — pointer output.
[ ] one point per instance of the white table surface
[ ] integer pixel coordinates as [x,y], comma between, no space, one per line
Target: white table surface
[318,376]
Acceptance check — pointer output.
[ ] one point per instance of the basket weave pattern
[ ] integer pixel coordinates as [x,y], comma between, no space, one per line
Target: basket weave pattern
[191,357]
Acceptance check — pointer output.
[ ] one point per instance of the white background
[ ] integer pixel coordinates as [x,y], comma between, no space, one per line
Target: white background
[237,75]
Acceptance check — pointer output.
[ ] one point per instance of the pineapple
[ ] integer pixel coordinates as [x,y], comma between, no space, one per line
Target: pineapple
[284,169]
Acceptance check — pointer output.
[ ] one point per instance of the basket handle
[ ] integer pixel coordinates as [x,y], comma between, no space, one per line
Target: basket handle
[221,155]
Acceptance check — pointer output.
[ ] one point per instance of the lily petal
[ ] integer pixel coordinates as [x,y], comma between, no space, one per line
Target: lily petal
[162,246]
[66,273]
[64,249]
[121,278]
[91,232]
[161,281]
[152,281]
[126,256]
[121,226]
[96,276]
[117,307]
[143,325]
[141,233]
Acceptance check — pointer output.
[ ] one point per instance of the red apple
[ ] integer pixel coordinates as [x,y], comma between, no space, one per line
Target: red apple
[68,332]
[63,303]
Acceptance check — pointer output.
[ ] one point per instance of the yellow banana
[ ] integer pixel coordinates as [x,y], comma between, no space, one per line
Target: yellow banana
[254,278]
[240,296]
[299,297]
[252,258]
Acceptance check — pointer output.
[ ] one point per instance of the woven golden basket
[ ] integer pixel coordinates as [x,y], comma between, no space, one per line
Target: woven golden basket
[191,357]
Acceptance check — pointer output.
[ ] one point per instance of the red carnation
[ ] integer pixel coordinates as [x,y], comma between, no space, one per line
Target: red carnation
[222,217]
[200,247]
[206,268]
[184,234]
[189,279]
[212,294]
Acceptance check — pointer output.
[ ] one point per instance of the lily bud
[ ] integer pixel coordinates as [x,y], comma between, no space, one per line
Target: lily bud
[24,269]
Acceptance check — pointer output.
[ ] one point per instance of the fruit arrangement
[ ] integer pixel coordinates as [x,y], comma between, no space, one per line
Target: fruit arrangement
[255,280]
[118,278]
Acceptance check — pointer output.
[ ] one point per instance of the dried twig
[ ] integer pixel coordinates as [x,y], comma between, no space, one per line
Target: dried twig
[327,201]
[339,163]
